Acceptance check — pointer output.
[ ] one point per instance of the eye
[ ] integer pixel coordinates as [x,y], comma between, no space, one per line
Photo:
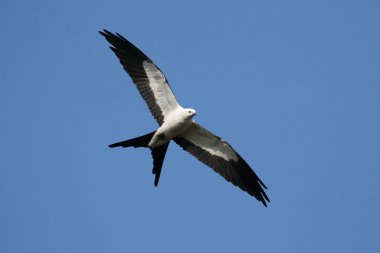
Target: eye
[189,112]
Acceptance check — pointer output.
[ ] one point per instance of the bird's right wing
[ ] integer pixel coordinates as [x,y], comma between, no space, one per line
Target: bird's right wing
[223,159]
[149,79]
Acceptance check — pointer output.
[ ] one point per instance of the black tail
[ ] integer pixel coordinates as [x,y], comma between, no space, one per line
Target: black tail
[158,153]
[138,142]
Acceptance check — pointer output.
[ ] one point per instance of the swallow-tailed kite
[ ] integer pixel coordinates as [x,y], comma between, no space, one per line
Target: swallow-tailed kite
[177,123]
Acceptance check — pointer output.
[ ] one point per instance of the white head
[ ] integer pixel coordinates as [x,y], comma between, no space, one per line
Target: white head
[190,112]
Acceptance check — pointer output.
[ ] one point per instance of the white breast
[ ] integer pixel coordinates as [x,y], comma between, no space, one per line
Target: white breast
[175,123]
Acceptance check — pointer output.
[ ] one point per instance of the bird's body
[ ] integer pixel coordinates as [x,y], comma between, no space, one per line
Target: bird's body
[176,123]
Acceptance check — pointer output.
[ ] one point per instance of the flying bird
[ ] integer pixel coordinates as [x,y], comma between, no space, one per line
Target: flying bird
[177,123]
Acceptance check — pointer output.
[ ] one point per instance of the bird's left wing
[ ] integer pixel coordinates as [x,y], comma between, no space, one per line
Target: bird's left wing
[223,159]
[148,78]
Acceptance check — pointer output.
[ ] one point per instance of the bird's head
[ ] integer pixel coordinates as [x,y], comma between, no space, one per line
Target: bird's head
[190,112]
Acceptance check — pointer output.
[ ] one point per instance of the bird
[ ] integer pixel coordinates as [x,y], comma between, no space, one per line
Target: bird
[177,123]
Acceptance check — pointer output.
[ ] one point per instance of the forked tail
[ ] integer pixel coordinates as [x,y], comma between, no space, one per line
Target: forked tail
[158,153]
[138,142]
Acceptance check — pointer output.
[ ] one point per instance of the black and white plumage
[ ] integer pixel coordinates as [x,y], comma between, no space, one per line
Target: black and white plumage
[177,123]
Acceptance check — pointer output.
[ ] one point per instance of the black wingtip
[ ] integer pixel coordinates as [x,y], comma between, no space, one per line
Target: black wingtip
[263,198]
[105,32]
[109,35]
[262,184]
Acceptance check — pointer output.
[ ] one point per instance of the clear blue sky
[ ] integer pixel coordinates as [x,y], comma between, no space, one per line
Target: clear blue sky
[294,86]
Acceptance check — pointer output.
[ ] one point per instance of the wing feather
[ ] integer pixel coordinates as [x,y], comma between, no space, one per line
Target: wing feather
[148,78]
[223,159]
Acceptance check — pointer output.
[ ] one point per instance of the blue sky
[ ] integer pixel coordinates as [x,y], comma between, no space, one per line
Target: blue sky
[294,86]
